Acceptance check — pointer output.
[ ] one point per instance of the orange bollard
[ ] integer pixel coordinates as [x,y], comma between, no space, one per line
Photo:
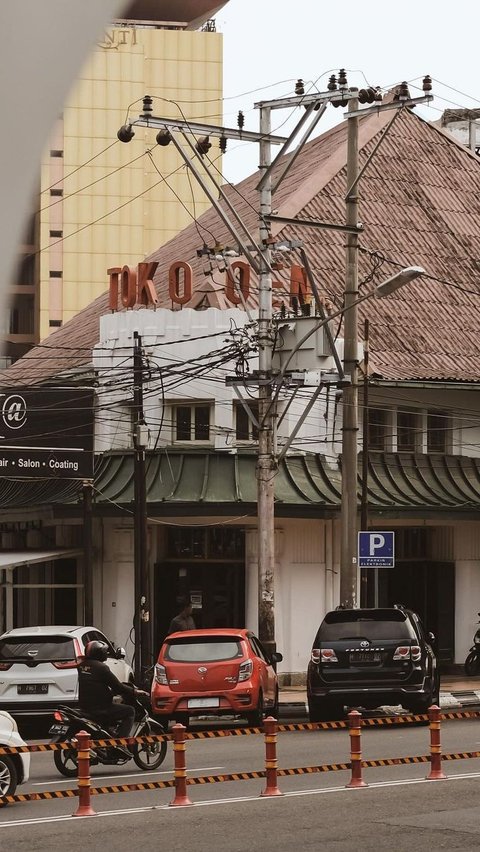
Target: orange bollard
[180,767]
[356,780]
[271,762]
[82,744]
[436,771]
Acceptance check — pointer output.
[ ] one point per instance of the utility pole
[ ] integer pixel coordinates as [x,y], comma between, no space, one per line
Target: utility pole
[266,466]
[141,617]
[348,569]
[87,553]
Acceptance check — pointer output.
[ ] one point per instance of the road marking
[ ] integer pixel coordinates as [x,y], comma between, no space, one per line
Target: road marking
[232,800]
[121,778]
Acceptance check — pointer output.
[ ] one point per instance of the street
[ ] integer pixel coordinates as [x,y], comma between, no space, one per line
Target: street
[398,810]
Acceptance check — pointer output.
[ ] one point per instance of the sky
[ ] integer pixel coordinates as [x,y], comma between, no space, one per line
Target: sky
[268,44]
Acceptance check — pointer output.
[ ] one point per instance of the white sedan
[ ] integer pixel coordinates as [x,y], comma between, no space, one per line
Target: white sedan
[14,768]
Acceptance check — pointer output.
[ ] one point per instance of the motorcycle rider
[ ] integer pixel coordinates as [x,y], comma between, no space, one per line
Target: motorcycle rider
[97,685]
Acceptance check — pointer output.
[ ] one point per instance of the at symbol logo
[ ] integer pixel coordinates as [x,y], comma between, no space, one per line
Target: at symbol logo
[14,411]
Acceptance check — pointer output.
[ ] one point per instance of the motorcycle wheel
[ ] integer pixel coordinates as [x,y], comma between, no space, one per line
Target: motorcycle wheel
[149,756]
[66,762]
[472,664]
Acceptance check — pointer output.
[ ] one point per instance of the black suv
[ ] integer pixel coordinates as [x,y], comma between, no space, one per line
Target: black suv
[369,658]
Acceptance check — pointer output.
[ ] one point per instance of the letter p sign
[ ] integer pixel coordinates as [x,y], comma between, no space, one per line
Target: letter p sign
[376,549]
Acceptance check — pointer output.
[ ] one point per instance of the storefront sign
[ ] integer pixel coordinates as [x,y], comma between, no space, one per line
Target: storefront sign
[46,432]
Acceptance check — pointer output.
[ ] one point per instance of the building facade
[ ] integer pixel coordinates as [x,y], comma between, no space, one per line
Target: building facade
[95,194]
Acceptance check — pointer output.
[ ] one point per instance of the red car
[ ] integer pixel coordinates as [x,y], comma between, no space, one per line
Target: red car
[215,672]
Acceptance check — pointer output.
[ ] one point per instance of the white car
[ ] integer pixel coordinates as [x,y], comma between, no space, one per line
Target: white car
[38,667]
[14,768]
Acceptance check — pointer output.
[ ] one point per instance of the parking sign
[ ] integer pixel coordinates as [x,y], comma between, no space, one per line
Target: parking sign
[376,549]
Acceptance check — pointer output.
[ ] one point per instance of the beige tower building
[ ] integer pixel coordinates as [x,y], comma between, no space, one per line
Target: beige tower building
[101,202]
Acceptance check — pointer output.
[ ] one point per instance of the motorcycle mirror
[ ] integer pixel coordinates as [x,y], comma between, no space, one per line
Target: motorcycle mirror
[120,653]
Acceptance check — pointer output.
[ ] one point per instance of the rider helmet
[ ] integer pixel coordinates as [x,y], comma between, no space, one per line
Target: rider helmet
[96,650]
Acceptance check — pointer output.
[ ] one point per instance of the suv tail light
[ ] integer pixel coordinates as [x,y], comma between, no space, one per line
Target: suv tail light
[408,652]
[245,671]
[161,674]
[323,655]
[59,717]
[5,666]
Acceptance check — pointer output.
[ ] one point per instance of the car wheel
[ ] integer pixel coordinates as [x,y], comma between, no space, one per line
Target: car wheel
[8,776]
[255,718]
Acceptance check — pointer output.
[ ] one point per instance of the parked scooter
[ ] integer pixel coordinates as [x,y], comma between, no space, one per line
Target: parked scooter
[68,722]
[472,663]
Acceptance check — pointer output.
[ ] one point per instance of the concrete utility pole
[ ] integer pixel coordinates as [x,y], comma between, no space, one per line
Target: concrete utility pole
[141,615]
[348,572]
[266,466]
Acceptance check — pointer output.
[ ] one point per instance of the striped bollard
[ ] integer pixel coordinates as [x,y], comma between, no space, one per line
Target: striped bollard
[180,767]
[354,718]
[271,762]
[82,744]
[436,771]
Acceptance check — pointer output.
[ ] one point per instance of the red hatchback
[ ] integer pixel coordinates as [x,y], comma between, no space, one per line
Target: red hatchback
[215,672]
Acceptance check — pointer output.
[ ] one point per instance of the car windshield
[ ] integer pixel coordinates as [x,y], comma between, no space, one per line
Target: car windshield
[203,649]
[41,650]
[357,625]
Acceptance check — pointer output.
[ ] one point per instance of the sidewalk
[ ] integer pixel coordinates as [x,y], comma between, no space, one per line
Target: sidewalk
[456,691]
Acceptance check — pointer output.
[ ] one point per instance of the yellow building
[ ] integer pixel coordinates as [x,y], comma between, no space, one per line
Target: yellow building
[101,202]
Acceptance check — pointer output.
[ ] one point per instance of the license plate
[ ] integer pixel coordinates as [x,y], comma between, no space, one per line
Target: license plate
[58,729]
[365,657]
[32,689]
[203,702]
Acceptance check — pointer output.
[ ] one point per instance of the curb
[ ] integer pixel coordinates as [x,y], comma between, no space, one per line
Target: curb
[448,701]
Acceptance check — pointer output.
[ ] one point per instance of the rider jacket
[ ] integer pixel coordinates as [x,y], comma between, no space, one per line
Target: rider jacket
[97,685]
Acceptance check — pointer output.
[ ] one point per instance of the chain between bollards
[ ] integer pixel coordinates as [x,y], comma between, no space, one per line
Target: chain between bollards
[354,720]
[271,762]
[82,744]
[180,767]
[436,772]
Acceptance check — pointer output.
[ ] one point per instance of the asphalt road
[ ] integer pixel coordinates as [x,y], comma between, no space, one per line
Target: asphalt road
[398,810]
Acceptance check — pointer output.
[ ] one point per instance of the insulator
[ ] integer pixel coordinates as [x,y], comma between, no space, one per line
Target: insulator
[299,87]
[378,94]
[427,83]
[403,92]
[342,78]
[163,137]
[332,84]
[203,145]
[223,144]
[240,119]
[126,133]
[367,96]
[147,104]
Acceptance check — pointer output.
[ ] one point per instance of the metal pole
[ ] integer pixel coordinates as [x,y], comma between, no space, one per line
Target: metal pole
[348,567]
[365,573]
[141,618]
[265,470]
[87,554]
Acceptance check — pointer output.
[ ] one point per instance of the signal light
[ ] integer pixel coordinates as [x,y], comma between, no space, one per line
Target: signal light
[126,133]
[203,145]
[163,137]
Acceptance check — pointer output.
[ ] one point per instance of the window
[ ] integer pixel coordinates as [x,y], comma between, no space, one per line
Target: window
[56,192]
[437,432]
[377,428]
[407,431]
[56,234]
[191,422]
[56,273]
[56,153]
[55,323]
[245,429]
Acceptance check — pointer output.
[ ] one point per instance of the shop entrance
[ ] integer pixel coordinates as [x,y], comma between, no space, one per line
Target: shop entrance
[207,565]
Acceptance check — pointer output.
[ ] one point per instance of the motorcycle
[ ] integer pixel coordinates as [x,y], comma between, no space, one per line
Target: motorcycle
[472,663]
[68,722]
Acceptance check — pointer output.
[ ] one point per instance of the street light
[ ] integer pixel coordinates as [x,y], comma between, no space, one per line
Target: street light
[398,280]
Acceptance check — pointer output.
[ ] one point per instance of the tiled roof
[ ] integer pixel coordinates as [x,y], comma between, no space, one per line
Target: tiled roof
[419,205]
